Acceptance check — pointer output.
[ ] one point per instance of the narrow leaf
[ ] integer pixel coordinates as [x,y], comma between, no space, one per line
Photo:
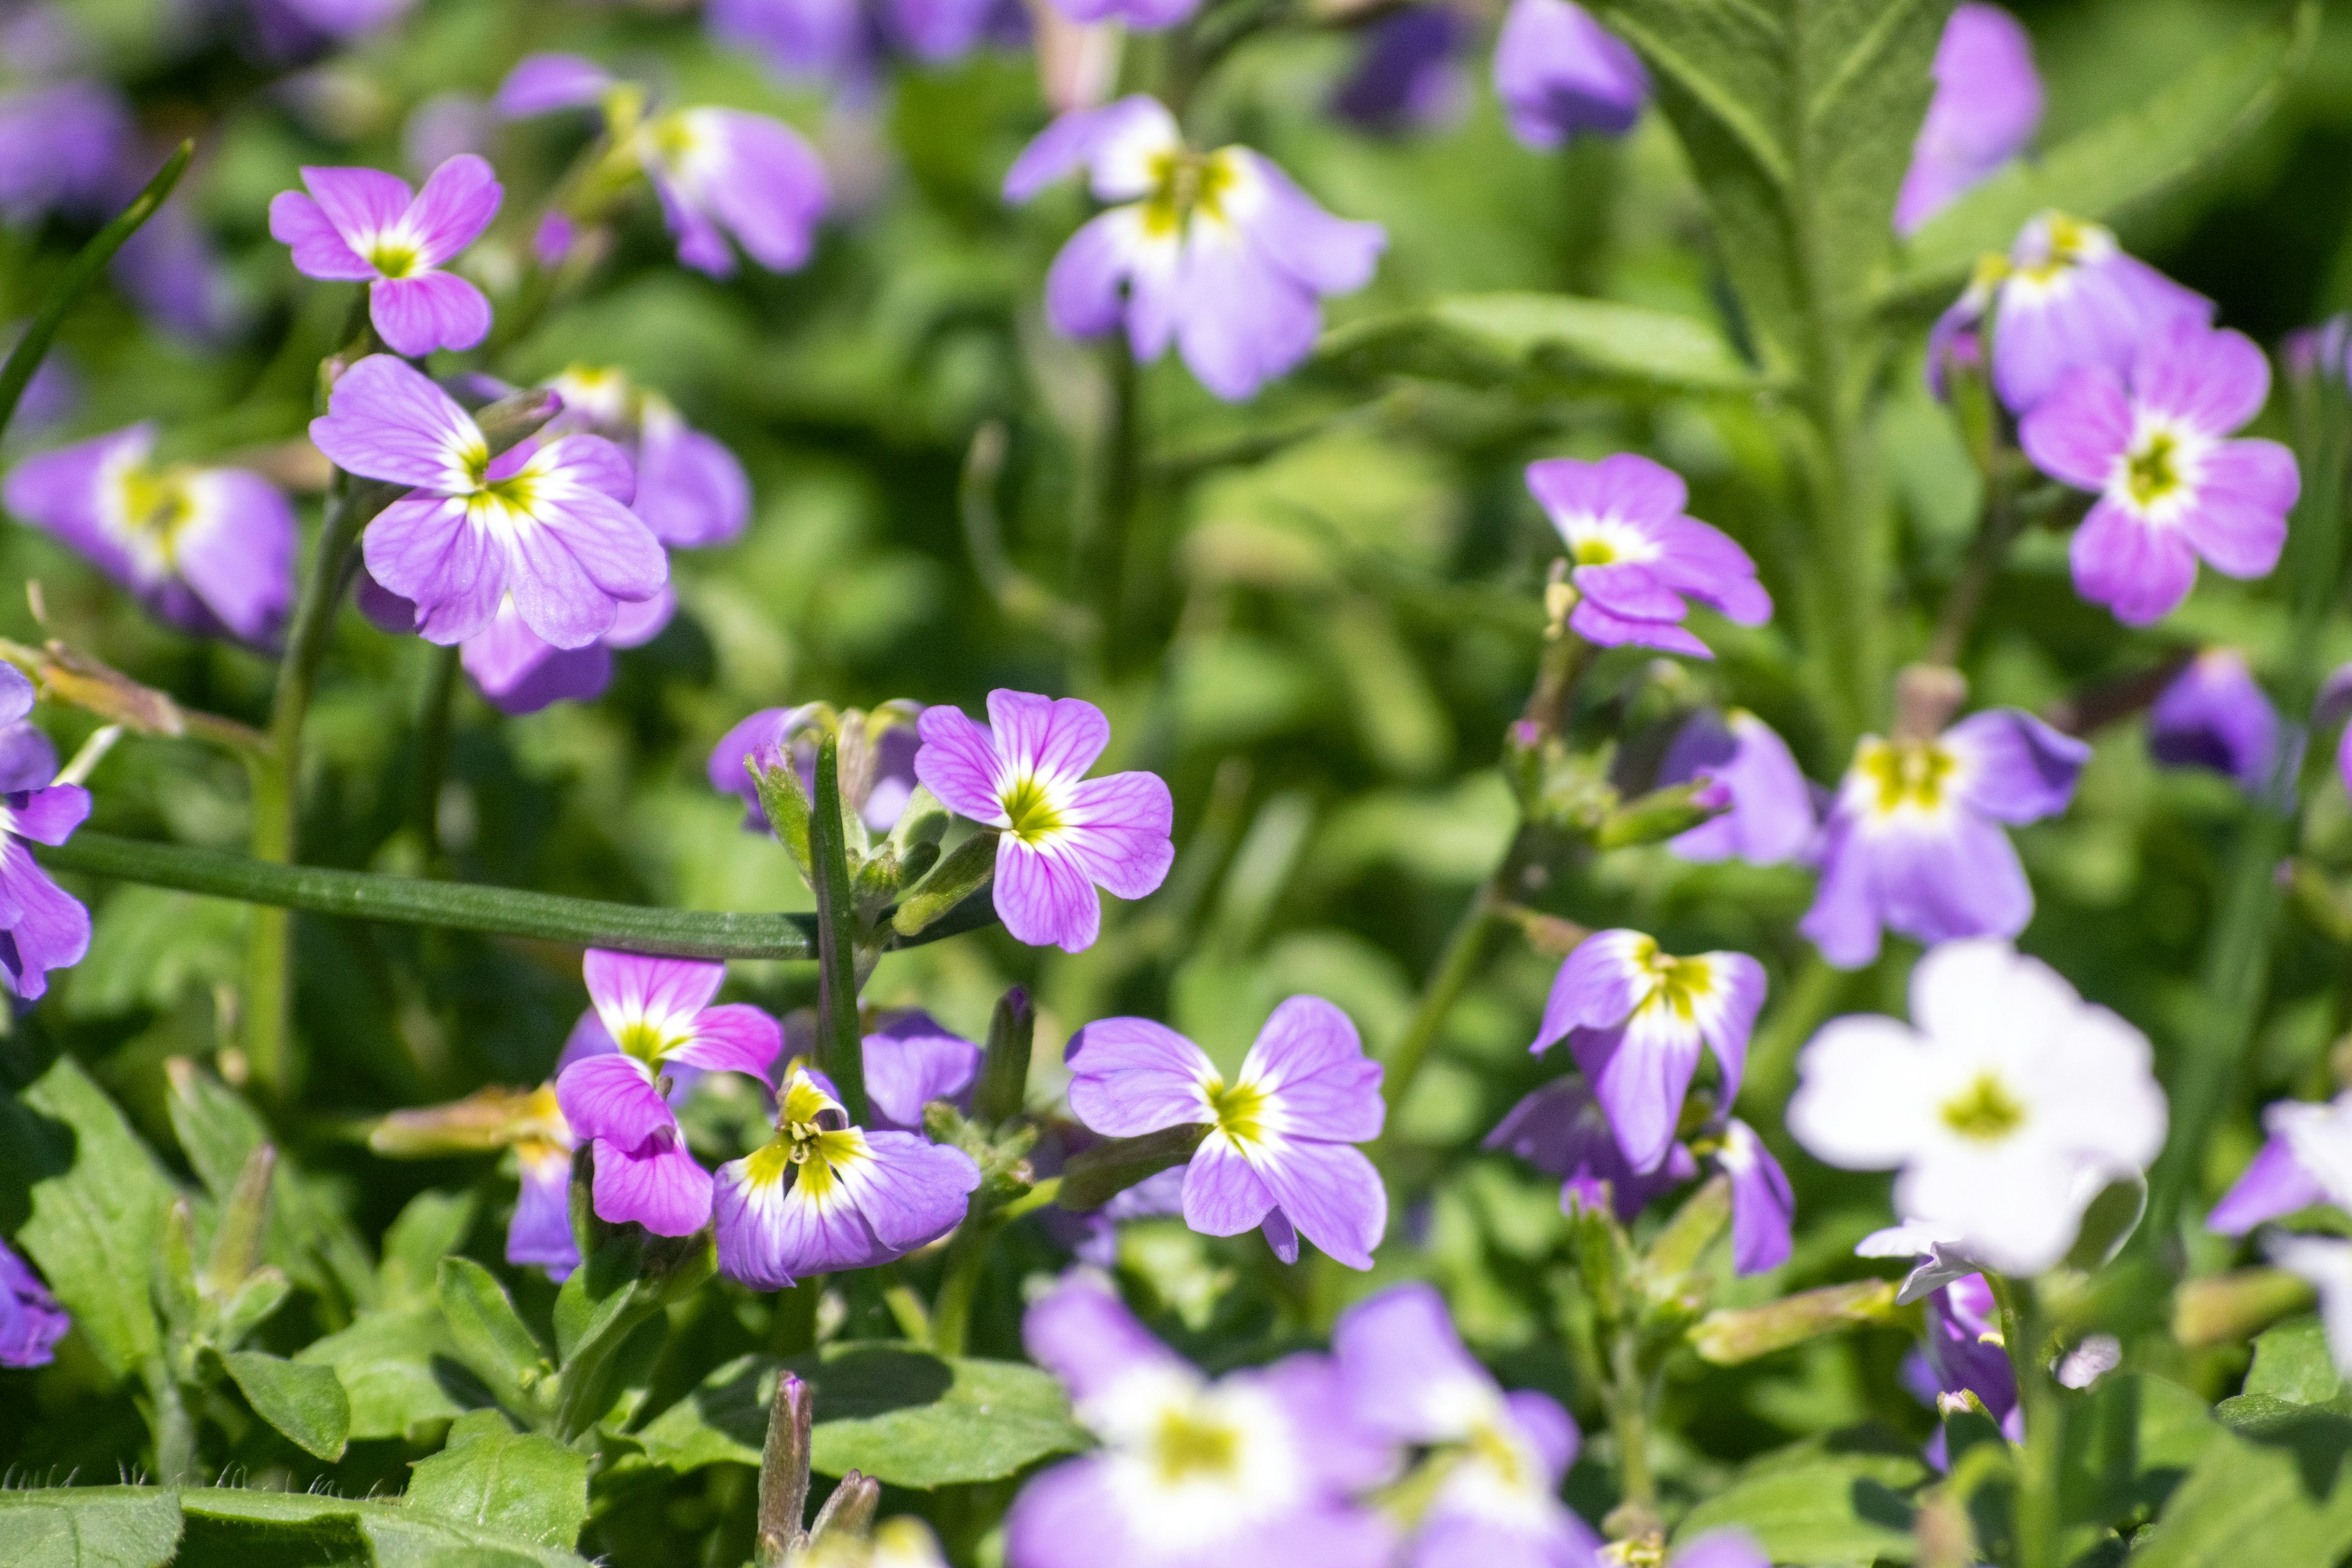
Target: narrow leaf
[840,1049]
[303,1401]
[1103,1171]
[490,1336]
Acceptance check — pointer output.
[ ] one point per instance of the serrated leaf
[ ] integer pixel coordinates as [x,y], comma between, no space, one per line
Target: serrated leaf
[399,1369]
[490,1334]
[89,1526]
[1540,342]
[1825,1511]
[514,1483]
[304,1401]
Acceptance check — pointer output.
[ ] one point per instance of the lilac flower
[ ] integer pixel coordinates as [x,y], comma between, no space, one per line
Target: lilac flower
[540,1234]
[823,1195]
[1913,841]
[1771,819]
[520,672]
[1061,834]
[1636,1020]
[27,761]
[2215,715]
[363,226]
[62,149]
[2172,488]
[1728,1548]
[547,524]
[31,1321]
[1634,557]
[1406,74]
[1987,102]
[1219,253]
[544,83]
[1559,73]
[2307,1160]
[1763,1204]
[170,269]
[1140,15]
[839,38]
[445,126]
[209,550]
[877,785]
[1253,1470]
[41,926]
[656,1011]
[1503,1455]
[722,173]
[691,490]
[911,1059]
[1278,1153]
[1963,1353]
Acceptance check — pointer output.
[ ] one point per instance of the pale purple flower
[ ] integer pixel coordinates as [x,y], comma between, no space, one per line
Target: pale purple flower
[691,491]
[1560,73]
[839,38]
[1763,1204]
[2172,487]
[42,926]
[445,126]
[879,794]
[1252,1470]
[1962,1352]
[1772,817]
[656,1011]
[723,173]
[209,550]
[911,1059]
[2305,1160]
[543,83]
[2215,715]
[1407,74]
[363,226]
[822,1196]
[1987,102]
[1634,558]
[1139,15]
[1410,1379]
[1060,833]
[1728,1548]
[1280,1150]
[62,149]
[539,1234]
[1915,844]
[1636,1019]
[171,271]
[1218,253]
[31,1321]
[520,672]
[547,523]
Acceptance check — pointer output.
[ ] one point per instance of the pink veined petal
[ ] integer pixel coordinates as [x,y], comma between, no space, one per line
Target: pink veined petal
[1626,486]
[1329,1190]
[1310,1062]
[2211,381]
[1597,986]
[636,622]
[360,203]
[958,763]
[1118,831]
[1054,738]
[2238,522]
[499,659]
[1641,1072]
[750,1218]
[318,248]
[612,1097]
[1223,1195]
[628,986]
[2140,572]
[385,421]
[1595,624]
[1707,563]
[1044,898]
[423,549]
[552,591]
[610,543]
[456,205]
[1132,1076]
[658,1185]
[1630,590]
[431,310]
[912,1192]
[2076,433]
[734,1037]
[575,464]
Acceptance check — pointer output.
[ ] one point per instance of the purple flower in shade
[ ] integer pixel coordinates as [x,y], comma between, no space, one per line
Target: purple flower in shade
[1219,253]
[839,38]
[2307,1160]
[520,672]
[31,1321]
[2065,296]
[41,926]
[1500,1455]
[1913,841]
[1963,1353]
[822,1196]
[1061,834]
[1406,74]
[27,761]
[2215,715]
[540,1234]
[544,83]
[547,524]
[2333,705]
[2172,487]
[209,550]
[878,788]
[722,173]
[1771,819]
[1252,1470]
[1763,1204]
[363,226]
[911,1059]
[656,1011]
[1636,1020]
[50,397]
[1987,102]
[300,27]
[62,149]
[1559,72]
[171,272]
[691,490]
[445,126]
[1279,1152]
[1634,557]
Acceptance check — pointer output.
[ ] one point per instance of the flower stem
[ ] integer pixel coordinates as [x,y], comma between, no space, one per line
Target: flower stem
[1991,547]
[1112,496]
[175,1433]
[840,1046]
[1465,949]
[1637,1514]
[2038,1522]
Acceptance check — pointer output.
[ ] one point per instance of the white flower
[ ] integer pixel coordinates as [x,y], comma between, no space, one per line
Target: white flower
[2327,1263]
[2006,1106]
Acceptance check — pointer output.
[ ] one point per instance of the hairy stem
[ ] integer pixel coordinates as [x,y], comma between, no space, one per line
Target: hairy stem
[840,1046]
[1636,1515]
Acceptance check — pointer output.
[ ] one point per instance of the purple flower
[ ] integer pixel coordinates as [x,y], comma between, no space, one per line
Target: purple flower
[911,1059]
[41,926]
[2172,488]
[2215,715]
[445,126]
[1633,556]
[50,397]
[655,1011]
[840,39]
[27,761]
[1559,72]
[1965,1354]
[1219,253]
[722,173]
[1636,1020]
[822,1196]
[363,226]
[209,550]
[31,1321]
[1729,1548]
[1409,1379]
[547,524]
[1060,833]
[520,672]
[2307,1160]
[1913,841]
[540,1234]
[1560,1129]
[171,272]
[691,490]
[1253,1470]
[1987,102]
[544,83]
[1763,1204]
[879,789]
[298,27]
[1140,15]
[62,148]
[1771,819]
[1406,74]
[1279,1151]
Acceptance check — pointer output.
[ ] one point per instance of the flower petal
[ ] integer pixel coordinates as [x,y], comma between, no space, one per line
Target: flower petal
[435,310]
[2077,433]
[1116,828]
[612,1099]
[910,1191]
[360,203]
[1223,1193]
[320,250]
[2016,769]
[1329,1190]
[456,205]
[1132,1076]
[2244,492]
[2140,572]
[1044,737]
[1310,1062]
[1597,986]
[385,421]
[657,1186]
[1044,898]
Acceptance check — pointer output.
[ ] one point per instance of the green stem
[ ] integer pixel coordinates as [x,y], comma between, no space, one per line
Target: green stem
[1465,949]
[1111,512]
[1966,600]
[840,1048]
[2038,1519]
[175,1432]
[1637,1514]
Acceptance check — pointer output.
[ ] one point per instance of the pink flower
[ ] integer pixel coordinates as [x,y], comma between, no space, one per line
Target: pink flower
[363,225]
[1633,556]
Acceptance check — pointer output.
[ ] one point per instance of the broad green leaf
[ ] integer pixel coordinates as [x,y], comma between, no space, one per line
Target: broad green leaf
[2251,1502]
[428,1230]
[89,1526]
[490,1336]
[2130,1440]
[514,1483]
[304,1401]
[2292,1362]
[397,1368]
[1540,342]
[1825,1511]
[347,1530]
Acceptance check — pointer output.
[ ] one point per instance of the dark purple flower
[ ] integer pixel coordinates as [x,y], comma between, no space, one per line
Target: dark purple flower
[1635,559]
[1771,819]
[1987,102]
[1406,74]
[2307,1160]
[31,1321]
[363,226]
[540,1234]
[1558,72]
[2215,715]
[42,926]
[1966,1352]
[1560,1129]
[879,787]
[62,148]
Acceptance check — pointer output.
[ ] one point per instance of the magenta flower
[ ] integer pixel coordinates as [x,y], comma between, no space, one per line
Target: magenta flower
[2215,715]
[544,83]
[655,1011]
[1279,1152]
[31,1321]
[911,1059]
[822,1196]
[1987,102]
[209,550]
[363,226]
[546,524]
[2172,487]
[1219,253]
[1634,557]
[2305,1160]
[1771,819]
[1252,1470]
[1060,833]
[1560,73]
[42,926]
[1636,1020]
[539,1234]
[691,490]
[879,794]
[1410,1379]
[1913,841]
[722,173]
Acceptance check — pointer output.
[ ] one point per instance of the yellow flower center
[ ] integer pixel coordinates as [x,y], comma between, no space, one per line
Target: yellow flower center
[2152,472]
[1184,182]
[1906,772]
[1029,812]
[157,504]
[1985,1111]
[392,258]
[1240,1111]
[1593,553]
[2068,239]
[1488,1445]
[1678,985]
[1187,1444]
[641,1039]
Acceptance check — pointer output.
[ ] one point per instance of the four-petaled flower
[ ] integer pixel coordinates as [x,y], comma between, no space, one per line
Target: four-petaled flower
[1061,834]
[1559,72]
[42,926]
[1988,102]
[1279,1151]
[1633,557]
[2305,1160]
[724,173]
[363,226]
[1771,819]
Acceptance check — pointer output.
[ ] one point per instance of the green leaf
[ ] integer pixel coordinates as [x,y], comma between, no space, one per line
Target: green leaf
[600,1311]
[304,1401]
[2247,1502]
[1539,343]
[2160,141]
[1823,1512]
[429,1229]
[349,1530]
[2292,1362]
[490,1336]
[89,1526]
[514,1483]
[397,1368]
[2130,1440]
[2108,1223]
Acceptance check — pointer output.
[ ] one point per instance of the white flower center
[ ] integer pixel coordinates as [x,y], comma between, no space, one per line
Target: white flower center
[1606,540]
